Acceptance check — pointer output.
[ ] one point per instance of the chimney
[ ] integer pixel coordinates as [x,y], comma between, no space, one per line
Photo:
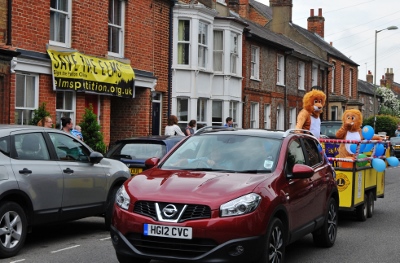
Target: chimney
[370,77]
[316,24]
[281,15]
[382,81]
[244,8]
[389,75]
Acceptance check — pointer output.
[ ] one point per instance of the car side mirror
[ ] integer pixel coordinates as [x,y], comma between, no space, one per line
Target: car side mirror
[301,171]
[151,162]
[95,157]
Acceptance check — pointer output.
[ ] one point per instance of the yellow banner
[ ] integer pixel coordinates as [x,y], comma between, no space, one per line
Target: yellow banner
[79,72]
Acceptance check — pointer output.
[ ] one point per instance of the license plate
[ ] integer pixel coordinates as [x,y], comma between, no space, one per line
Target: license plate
[135,171]
[167,231]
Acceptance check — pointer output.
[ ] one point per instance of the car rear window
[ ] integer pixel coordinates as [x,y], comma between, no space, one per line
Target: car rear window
[142,150]
[330,129]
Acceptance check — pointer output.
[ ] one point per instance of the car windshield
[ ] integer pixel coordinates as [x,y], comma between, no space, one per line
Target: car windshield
[141,151]
[330,129]
[226,152]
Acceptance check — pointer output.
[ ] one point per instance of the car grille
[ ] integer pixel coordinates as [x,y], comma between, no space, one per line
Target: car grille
[163,246]
[191,212]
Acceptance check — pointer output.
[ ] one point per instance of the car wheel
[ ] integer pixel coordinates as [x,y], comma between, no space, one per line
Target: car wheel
[370,204]
[325,236]
[13,229]
[361,210]
[110,207]
[274,249]
[129,259]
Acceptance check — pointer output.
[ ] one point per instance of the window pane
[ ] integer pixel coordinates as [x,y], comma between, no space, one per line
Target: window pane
[184,30]
[201,110]
[182,109]
[218,50]
[30,92]
[20,92]
[113,39]
[217,112]
[69,100]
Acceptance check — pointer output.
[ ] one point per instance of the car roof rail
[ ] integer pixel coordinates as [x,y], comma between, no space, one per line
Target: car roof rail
[214,129]
[292,131]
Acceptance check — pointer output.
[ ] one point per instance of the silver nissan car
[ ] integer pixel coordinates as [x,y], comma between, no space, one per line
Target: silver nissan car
[49,176]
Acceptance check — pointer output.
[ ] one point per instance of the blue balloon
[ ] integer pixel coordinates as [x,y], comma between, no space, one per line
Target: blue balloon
[392,161]
[353,148]
[378,164]
[367,132]
[362,147]
[379,149]
[368,147]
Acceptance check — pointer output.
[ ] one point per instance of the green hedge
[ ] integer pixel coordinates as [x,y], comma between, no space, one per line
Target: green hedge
[384,123]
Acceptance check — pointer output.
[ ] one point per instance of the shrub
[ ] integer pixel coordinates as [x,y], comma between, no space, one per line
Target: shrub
[384,123]
[91,131]
[39,114]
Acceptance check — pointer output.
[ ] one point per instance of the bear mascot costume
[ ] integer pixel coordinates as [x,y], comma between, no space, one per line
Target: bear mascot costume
[350,130]
[308,117]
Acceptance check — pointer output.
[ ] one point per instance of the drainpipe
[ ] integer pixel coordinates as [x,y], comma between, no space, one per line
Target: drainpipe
[9,11]
[171,21]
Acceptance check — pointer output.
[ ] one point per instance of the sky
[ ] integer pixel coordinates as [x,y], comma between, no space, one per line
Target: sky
[351,24]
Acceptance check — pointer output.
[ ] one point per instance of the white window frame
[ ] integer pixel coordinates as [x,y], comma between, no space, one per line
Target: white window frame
[202,110]
[234,53]
[301,75]
[280,70]
[350,82]
[342,80]
[267,116]
[120,28]
[26,109]
[63,111]
[255,62]
[254,120]
[292,118]
[233,111]
[56,15]
[218,52]
[333,78]
[185,43]
[202,42]
[180,112]
[314,76]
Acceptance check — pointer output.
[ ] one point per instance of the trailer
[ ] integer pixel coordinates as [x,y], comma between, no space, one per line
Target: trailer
[359,184]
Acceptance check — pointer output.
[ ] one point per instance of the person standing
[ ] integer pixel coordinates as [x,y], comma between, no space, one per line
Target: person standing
[172,128]
[66,123]
[190,128]
[229,122]
[397,132]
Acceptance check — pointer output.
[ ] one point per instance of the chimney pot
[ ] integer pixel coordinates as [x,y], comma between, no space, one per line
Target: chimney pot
[311,12]
[320,12]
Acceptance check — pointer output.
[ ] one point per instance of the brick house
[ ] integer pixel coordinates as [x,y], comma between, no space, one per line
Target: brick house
[112,32]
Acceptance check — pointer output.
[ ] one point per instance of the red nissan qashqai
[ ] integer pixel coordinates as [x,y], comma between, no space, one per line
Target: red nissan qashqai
[227,195]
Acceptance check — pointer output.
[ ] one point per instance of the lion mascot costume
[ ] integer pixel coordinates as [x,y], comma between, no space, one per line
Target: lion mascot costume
[308,117]
[350,130]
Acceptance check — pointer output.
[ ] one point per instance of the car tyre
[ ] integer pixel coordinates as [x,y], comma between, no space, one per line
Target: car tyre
[110,207]
[13,229]
[370,204]
[361,210]
[274,249]
[325,236]
[128,259]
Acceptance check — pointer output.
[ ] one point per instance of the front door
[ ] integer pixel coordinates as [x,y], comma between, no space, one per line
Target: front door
[156,114]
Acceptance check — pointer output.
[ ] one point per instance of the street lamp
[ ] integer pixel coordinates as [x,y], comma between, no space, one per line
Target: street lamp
[376,34]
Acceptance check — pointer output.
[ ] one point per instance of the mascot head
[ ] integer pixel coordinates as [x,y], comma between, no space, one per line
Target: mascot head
[352,119]
[314,102]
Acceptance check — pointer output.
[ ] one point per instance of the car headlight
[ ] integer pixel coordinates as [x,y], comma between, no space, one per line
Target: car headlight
[240,206]
[122,198]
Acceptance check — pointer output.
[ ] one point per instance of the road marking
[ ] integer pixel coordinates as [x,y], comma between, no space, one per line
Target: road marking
[17,261]
[55,251]
[102,239]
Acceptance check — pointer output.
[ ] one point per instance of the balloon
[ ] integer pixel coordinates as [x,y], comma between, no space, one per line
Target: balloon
[392,161]
[362,147]
[367,132]
[378,164]
[368,147]
[353,148]
[363,163]
[379,149]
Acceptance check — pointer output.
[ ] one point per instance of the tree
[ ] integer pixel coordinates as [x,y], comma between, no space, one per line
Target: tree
[39,114]
[384,123]
[91,131]
[390,105]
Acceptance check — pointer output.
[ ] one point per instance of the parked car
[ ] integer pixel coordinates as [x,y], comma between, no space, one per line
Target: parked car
[329,128]
[395,146]
[136,150]
[232,195]
[49,176]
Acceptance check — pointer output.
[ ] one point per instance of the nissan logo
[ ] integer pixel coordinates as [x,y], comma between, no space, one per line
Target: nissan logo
[169,210]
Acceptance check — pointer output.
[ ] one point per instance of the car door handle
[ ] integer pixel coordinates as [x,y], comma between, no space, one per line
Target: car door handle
[68,171]
[25,171]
